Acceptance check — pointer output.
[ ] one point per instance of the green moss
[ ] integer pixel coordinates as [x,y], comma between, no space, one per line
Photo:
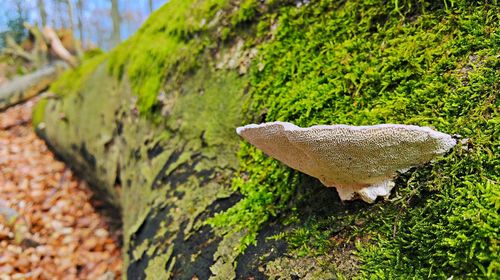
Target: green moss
[246,12]
[165,48]
[195,153]
[72,116]
[266,192]
[39,112]
[200,139]
[354,62]
[72,81]
[360,62]
[174,40]
[92,53]
[211,108]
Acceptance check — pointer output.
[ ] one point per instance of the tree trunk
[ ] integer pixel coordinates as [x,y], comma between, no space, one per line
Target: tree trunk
[115,16]
[43,12]
[58,18]
[150,6]
[69,5]
[78,46]
[79,7]
[152,128]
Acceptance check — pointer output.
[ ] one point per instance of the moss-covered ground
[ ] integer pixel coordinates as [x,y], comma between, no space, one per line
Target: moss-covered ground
[360,62]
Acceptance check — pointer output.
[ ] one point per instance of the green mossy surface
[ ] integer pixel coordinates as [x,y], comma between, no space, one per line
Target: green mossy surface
[39,112]
[70,120]
[71,82]
[163,176]
[165,48]
[166,135]
[363,63]
[193,144]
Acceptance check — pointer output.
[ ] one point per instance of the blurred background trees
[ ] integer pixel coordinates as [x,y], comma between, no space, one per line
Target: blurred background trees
[94,23]
[13,22]
[37,34]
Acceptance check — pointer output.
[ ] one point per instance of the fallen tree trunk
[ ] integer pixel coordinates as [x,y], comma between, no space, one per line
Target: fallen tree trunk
[25,87]
[198,203]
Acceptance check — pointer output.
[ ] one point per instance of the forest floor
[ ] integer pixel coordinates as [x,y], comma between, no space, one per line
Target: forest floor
[49,225]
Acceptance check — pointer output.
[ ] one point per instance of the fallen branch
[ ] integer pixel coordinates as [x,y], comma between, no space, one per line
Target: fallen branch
[58,47]
[12,48]
[25,87]
[40,48]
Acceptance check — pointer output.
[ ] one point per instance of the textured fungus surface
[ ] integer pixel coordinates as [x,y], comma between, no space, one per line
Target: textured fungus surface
[354,159]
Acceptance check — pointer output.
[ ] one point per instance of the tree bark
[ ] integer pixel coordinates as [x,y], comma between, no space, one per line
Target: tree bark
[79,7]
[42,11]
[70,15]
[78,46]
[150,6]
[115,16]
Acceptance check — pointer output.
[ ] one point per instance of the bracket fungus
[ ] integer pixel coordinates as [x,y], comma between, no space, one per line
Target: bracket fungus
[356,160]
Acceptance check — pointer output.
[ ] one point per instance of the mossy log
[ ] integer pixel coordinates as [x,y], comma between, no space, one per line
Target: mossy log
[24,87]
[151,125]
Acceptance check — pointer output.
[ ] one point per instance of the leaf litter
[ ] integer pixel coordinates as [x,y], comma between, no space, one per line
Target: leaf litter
[49,228]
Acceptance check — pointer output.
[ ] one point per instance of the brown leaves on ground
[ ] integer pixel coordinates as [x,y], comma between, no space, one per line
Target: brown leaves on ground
[63,237]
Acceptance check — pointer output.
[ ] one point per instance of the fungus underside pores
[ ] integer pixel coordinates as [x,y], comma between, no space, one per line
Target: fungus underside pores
[359,161]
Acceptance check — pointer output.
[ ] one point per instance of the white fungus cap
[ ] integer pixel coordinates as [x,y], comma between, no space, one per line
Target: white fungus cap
[358,160]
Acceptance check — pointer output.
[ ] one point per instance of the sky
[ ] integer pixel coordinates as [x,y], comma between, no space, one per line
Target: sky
[97,19]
